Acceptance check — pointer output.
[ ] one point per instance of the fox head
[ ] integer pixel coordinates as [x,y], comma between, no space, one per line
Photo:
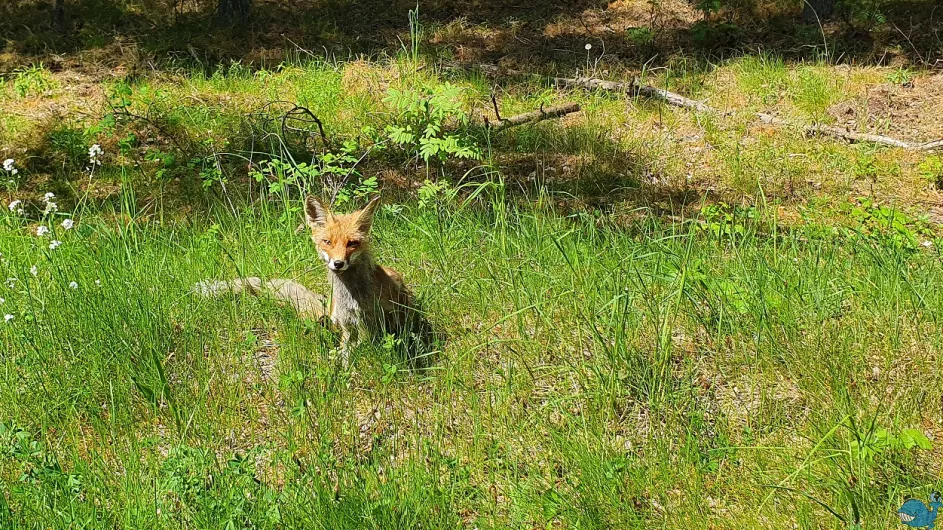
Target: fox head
[340,239]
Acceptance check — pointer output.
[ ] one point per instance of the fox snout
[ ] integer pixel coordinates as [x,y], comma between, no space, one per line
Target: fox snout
[338,264]
[335,263]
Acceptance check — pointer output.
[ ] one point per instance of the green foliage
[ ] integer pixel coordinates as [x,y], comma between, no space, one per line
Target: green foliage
[881,441]
[194,487]
[710,33]
[641,36]
[430,124]
[862,14]
[931,170]
[901,76]
[363,188]
[728,223]
[32,80]
[435,193]
[39,469]
[888,223]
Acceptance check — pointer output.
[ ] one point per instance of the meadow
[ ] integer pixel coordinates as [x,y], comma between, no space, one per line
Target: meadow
[654,317]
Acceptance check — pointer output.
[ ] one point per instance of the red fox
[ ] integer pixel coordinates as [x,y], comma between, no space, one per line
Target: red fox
[367,299]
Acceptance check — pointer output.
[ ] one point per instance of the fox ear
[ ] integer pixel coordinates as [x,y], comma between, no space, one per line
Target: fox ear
[316,214]
[365,216]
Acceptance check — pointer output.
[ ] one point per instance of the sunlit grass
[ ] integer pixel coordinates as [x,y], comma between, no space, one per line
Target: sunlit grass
[595,376]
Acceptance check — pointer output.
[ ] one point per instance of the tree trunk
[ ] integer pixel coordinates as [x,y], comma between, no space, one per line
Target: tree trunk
[233,11]
[818,10]
[58,16]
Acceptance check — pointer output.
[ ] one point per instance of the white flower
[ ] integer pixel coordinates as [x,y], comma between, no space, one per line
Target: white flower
[33,270]
[7,317]
[14,205]
[98,283]
[49,196]
[41,230]
[8,164]
[73,285]
[2,300]
[54,244]
[93,153]
[68,223]
[11,282]
[927,244]
[51,207]
[588,46]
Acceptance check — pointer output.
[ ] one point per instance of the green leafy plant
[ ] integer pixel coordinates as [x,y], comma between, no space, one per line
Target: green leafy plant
[32,80]
[438,192]
[901,76]
[885,222]
[423,120]
[881,441]
[724,221]
[641,36]
[357,190]
[931,170]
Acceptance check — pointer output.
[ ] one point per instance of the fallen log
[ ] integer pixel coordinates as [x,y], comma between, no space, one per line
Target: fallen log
[533,116]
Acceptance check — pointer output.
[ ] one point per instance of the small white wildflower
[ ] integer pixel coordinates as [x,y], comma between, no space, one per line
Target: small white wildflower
[41,230]
[588,46]
[98,283]
[93,153]
[68,223]
[51,207]
[33,270]
[15,205]
[7,317]
[11,282]
[73,285]
[8,164]
[54,244]
[927,243]
[49,196]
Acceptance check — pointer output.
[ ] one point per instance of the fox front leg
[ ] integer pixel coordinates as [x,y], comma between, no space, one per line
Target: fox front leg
[350,338]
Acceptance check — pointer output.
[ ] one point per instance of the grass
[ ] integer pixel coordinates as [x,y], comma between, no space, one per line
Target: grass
[654,318]
[594,377]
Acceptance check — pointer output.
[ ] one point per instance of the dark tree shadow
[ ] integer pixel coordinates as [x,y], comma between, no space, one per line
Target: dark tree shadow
[543,36]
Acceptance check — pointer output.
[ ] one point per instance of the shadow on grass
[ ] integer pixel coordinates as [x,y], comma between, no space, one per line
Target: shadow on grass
[550,36]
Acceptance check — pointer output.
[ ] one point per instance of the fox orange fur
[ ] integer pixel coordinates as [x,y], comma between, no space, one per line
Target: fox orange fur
[366,299]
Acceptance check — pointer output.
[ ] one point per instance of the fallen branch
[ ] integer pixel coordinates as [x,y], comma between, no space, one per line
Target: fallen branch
[635,89]
[533,116]
[838,132]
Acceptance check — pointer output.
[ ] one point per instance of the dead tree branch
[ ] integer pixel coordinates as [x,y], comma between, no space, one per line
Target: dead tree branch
[534,116]
[634,88]
[837,132]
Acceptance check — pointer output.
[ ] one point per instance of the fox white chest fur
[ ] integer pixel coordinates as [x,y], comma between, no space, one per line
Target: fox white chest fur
[354,298]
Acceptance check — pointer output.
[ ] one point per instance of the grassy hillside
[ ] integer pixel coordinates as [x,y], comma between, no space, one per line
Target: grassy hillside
[655,317]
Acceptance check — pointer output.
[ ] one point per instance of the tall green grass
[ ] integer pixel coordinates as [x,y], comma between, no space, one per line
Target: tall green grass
[723,373]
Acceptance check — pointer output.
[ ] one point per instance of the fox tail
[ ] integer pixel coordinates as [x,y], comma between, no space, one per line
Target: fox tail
[307,303]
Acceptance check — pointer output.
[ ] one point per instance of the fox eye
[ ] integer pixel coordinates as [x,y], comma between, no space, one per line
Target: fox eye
[353,244]
[326,241]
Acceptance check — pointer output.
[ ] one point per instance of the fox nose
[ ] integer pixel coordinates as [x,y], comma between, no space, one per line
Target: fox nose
[338,264]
